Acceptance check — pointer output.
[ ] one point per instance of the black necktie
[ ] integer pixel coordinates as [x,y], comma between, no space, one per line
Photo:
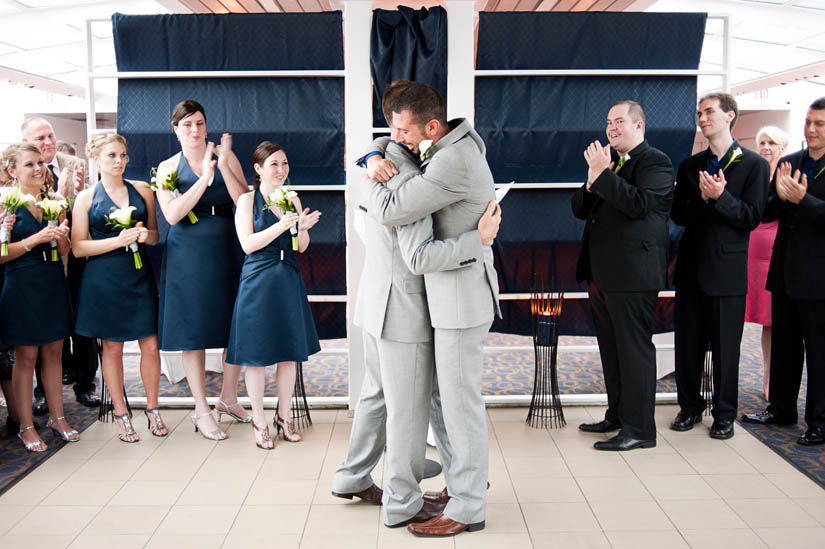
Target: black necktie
[54,173]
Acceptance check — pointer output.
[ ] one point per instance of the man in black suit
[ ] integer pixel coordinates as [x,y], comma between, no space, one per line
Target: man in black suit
[797,199]
[720,196]
[625,201]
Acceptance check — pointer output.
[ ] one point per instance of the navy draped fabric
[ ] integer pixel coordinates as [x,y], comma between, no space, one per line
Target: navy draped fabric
[305,115]
[537,127]
[407,44]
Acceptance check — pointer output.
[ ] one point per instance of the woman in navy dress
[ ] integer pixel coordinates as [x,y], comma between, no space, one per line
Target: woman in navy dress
[35,311]
[118,302]
[199,276]
[272,322]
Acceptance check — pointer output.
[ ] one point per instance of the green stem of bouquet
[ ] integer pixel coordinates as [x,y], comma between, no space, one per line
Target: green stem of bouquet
[138,261]
[192,217]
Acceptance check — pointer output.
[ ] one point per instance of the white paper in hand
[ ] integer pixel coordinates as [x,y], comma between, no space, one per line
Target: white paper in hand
[502,191]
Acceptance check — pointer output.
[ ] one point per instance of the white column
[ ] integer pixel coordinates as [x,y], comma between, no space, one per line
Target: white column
[460,59]
[358,116]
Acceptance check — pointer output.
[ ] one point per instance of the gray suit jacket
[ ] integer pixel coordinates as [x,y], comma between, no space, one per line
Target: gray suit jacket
[392,303]
[455,187]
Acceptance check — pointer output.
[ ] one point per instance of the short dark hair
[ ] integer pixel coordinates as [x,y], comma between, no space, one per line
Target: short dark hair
[390,95]
[818,105]
[67,148]
[634,110]
[184,109]
[424,103]
[726,102]
[262,152]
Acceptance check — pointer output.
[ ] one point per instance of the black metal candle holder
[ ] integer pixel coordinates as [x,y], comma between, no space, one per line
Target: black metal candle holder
[545,407]
[300,407]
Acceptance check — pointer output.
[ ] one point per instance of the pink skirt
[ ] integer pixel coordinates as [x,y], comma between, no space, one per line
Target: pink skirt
[758,304]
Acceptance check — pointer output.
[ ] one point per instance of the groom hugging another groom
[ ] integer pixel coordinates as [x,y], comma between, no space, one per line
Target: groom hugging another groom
[430,214]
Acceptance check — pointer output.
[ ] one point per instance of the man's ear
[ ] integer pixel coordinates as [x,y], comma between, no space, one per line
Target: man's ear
[432,127]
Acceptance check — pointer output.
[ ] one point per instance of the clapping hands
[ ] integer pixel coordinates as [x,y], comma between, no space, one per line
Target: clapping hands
[308,220]
[711,187]
[598,160]
[791,188]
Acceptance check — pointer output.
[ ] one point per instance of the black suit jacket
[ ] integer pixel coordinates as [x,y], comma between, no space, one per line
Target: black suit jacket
[713,252]
[798,260]
[625,241]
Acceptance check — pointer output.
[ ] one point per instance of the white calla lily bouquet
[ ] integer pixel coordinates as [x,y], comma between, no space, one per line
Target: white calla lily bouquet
[11,198]
[282,198]
[170,183]
[121,218]
[51,212]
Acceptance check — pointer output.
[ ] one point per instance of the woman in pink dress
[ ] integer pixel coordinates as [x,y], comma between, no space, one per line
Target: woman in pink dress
[771,143]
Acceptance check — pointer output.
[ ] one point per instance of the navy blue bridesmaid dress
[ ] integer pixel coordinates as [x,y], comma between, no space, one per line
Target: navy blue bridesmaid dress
[116,301]
[35,308]
[272,321]
[199,273]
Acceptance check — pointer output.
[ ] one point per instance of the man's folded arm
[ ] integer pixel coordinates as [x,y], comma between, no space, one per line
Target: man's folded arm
[423,254]
[442,184]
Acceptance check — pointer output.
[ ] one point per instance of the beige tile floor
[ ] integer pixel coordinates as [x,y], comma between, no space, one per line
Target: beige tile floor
[548,489]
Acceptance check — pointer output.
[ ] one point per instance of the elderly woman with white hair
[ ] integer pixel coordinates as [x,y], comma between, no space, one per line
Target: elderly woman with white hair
[771,144]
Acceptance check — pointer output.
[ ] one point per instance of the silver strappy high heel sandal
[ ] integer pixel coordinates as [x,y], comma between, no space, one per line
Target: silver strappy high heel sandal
[36,446]
[227,409]
[128,429]
[159,425]
[65,435]
[211,435]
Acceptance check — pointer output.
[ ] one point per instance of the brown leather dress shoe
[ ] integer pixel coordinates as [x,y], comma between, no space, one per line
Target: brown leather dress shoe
[373,495]
[437,497]
[441,526]
[428,510]
[442,496]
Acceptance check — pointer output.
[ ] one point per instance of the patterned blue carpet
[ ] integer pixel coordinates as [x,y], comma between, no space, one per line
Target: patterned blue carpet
[506,373]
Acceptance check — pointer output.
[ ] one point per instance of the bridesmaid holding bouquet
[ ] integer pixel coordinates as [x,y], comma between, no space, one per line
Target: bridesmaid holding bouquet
[272,322]
[117,301]
[35,311]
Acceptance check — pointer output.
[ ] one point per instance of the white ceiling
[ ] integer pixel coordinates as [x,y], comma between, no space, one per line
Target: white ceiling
[772,41]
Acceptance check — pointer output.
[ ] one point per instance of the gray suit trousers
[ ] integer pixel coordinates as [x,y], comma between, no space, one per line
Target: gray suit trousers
[399,375]
[459,359]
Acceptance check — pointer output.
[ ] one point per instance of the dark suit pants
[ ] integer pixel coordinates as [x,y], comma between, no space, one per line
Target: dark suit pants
[624,329]
[703,320]
[798,327]
[79,357]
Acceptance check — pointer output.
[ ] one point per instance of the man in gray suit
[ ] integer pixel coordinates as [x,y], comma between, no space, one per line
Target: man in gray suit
[398,350]
[456,187]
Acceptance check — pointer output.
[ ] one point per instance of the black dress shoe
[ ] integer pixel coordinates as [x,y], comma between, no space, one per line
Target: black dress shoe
[767,418]
[812,437]
[373,495]
[68,378]
[39,406]
[722,429]
[428,510]
[621,443]
[603,426]
[685,421]
[87,398]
